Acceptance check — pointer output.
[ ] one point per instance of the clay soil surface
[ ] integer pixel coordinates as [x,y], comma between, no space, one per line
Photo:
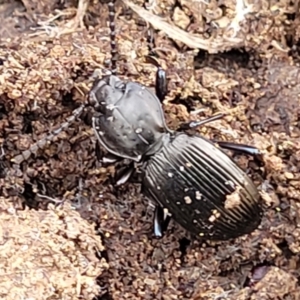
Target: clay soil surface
[66,232]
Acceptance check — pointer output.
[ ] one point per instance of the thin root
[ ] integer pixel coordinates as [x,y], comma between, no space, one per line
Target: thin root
[75,24]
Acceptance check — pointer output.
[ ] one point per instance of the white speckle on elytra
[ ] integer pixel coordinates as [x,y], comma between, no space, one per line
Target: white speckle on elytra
[181,168]
[158,187]
[187,200]
[101,133]
[212,218]
[138,130]
[170,174]
[186,189]
[188,164]
[197,211]
[198,195]
[195,221]
[229,182]
[178,203]
[110,119]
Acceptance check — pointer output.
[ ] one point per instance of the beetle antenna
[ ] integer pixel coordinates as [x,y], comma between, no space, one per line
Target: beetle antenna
[113,45]
[50,137]
[150,33]
[150,41]
[77,112]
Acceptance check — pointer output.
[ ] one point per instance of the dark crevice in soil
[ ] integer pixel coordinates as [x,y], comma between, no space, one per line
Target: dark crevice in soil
[29,196]
[27,119]
[183,244]
[4,165]
[67,101]
[189,102]
[2,111]
[237,56]
[291,17]
[284,247]
[102,280]
[106,296]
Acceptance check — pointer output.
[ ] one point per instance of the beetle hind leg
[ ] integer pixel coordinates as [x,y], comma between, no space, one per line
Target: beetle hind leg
[242,148]
[161,222]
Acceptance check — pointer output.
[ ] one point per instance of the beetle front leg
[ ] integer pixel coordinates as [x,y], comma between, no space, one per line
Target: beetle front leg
[161,83]
[161,222]
[124,175]
[106,159]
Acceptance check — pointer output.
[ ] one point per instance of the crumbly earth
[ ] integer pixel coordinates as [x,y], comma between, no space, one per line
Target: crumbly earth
[48,254]
[247,67]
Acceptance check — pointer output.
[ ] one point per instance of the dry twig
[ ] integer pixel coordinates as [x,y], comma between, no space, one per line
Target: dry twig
[214,45]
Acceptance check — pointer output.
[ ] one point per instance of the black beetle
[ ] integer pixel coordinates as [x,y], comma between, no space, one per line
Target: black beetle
[188,177]
[198,184]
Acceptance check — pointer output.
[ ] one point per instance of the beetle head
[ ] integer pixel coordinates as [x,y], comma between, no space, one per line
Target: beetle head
[129,122]
[106,92]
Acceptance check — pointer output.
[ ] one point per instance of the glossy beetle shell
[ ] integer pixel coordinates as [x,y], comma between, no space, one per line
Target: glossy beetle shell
[130,122]
[202,188]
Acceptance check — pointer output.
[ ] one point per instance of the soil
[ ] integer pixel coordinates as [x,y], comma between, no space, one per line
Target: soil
[67,232]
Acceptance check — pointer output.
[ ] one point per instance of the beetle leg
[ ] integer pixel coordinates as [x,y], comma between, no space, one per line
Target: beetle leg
[125,174]
[110,159]
[195,124]
[246,149]
[161,84]
[161,221]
